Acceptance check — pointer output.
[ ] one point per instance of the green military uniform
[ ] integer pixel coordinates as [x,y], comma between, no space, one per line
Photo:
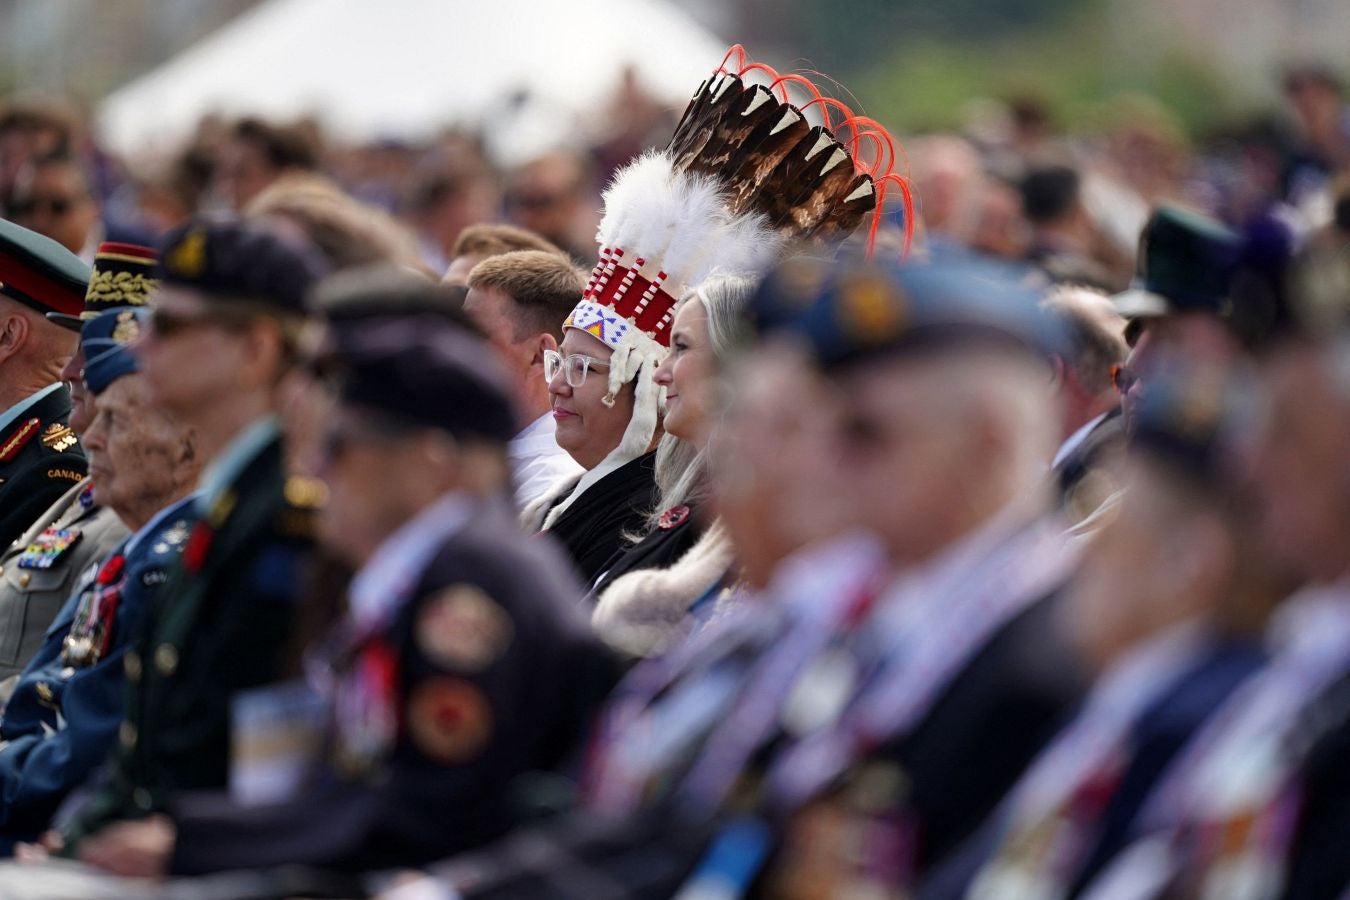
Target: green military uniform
[40,458]
[221,624]
[31,596]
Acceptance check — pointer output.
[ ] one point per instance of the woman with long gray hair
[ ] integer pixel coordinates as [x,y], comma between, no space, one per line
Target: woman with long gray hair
[647,590]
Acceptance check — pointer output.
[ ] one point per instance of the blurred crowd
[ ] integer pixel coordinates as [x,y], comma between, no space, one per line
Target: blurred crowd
[725,507]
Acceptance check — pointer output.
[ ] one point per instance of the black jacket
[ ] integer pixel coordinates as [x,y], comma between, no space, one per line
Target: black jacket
[40,458]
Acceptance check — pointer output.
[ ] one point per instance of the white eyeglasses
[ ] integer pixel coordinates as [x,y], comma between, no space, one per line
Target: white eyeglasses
[573,367]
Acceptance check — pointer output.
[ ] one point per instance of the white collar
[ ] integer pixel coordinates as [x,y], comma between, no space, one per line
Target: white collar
[1075,439]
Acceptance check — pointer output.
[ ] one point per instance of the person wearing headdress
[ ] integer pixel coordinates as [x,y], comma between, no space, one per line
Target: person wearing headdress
[40,455]
[745,178]
[1169,607]
[40,568]
[63,716]
[647,596]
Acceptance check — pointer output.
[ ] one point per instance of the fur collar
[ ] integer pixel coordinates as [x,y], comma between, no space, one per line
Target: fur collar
[642,612]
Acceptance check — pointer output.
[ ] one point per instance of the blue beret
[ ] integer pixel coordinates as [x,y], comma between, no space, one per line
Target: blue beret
[229,258]
[852,312]
[106,341]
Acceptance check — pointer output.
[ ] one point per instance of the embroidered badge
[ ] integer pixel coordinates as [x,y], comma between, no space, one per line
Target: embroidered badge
[86,498]
[449,720]
[59,437]
[462,628]
[15,442]
[48,547]
[127,328]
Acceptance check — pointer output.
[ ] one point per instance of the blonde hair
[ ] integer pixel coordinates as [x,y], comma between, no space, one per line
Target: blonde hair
[681,468]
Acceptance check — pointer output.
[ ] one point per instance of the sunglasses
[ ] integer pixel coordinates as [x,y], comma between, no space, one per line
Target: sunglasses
[574,367]
[56,206]
[1123,378]
[166,324]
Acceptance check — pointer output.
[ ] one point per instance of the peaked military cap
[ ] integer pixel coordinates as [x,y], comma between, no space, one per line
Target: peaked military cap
[40,273]
[228,258]
[123,275]
[857,311]
[1186,264]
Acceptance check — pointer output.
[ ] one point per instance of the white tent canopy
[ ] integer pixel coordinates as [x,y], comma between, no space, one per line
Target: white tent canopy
[403,68]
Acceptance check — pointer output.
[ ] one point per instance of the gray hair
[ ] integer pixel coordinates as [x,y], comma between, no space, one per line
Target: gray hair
[681,468]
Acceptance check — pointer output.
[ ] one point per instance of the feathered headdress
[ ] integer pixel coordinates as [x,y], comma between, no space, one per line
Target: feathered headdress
[744,174]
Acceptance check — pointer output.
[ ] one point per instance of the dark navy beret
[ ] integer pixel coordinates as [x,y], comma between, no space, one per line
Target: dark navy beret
[237,259]
[428,370]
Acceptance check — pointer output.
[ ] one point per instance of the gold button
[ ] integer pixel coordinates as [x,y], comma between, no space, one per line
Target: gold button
[166,659]
[126,733]
[44,692]
[131,664]
[141,797]
[24,579]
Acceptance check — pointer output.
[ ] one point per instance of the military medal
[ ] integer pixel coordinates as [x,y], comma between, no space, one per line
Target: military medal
[366,710]
[59,437]
[92,628]
[462,628]
[48,547]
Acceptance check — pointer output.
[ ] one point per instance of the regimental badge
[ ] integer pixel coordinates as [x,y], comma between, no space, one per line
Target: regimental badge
[449,720]
[870,309]
[59,437]
[187,258]
[463,629]
[48,547]
[127,329]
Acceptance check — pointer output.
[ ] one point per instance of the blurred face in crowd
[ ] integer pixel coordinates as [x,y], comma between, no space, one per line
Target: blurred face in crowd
[198,355]
[586,428]
[377,477]
[911,448]
[81,401]
[542,196]
[1163,343]
[774,461]
[1162,557]
[57,203]
[244,171]
[139,458]
[1300,460]
[689,374]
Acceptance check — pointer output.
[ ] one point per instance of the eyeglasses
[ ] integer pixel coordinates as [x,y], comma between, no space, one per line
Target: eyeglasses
[1123,378]
[573,367]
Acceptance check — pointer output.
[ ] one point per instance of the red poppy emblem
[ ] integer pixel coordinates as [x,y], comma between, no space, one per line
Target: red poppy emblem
[673,517]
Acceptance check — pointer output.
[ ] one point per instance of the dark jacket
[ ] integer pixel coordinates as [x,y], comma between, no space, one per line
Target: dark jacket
[476,719]
[218,626]
[598,525]
[40,458]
